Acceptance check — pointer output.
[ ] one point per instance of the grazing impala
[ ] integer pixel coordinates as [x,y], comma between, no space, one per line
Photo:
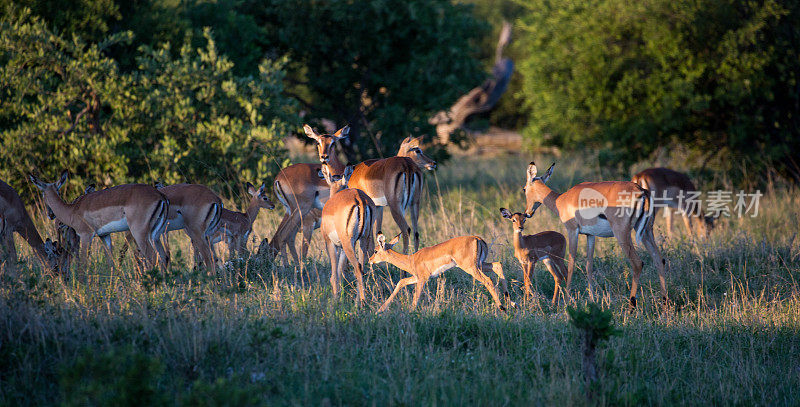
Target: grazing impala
[673,188]
[300,190]
[15,218]
[549,247]
[235,227]
[195,209]
[139,208]
[600,209]
[346,220]
[396,182]
[465,252]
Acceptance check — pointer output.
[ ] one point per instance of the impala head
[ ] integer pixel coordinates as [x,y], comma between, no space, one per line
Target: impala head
[53,187]
[535,188]
[382,247]
[336,182]
[260,196]
[325,142]
[58,258]
[410,148]
[706,224]
[517,218]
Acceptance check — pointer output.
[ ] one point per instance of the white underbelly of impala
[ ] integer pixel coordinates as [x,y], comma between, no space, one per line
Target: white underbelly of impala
[120,225]
[441,269]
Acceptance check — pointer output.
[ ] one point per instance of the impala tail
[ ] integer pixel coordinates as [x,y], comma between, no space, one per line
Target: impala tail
[644,215]
[281,196]
[159,219]
[212,218]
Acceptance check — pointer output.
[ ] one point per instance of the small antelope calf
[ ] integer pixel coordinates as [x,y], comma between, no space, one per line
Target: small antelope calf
[235,227]
[465,252]
[549,247]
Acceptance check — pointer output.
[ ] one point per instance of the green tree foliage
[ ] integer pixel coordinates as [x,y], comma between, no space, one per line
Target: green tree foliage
[719,77]
[186,118]
[384,67]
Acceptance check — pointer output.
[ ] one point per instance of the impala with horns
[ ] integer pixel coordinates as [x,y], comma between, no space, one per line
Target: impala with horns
[465,252]
[14,218]
[303,193]
[548,246]
[396,182]
[673,188]
[197,210]
[600,209]
[346,222]
[137,208]
[235,227]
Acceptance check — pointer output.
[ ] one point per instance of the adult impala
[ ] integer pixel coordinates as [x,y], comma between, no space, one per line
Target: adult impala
[548,246]
[235,227]
[195,209]
[673,189]
[600,209]
[346,221]
[139,208]
[465,252]
[14,218]
[396,182]
[303,193]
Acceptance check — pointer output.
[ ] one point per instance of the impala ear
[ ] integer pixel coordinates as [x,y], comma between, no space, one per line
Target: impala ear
[381,240]
[62,179]
[310,132]
[261,189]
[548,173]
[251,189]
[531,171]
[342,133]
[36,181]
[394,240]
[506,214]
[348,172]
[528,215]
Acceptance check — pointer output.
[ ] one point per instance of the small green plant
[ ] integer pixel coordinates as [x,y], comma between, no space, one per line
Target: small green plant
[597,325]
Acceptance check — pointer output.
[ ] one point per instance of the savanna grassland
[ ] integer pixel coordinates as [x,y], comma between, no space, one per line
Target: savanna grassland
[265,333]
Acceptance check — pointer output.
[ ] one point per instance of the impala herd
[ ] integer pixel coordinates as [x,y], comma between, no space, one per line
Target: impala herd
[347,203]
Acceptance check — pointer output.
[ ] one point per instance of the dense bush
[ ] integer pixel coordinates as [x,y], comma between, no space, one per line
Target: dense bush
[720,77]
[66,105]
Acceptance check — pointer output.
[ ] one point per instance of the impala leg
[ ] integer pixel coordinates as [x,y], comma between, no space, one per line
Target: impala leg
[202,247]
[8,254]
[400,284]
[572,235]
[309,223]
[590,264]
[350,252]
[487,282]
[83,256]
[163,258]
[625,243]
[107,248]
[399,218]
[687,221]
[378,225]
[561,270]
[414,215]
[548,262]
[497,269]
[661,263]
[130,242]
[668,215]
[146,246]
[334,257]
[418,293]
[527,271]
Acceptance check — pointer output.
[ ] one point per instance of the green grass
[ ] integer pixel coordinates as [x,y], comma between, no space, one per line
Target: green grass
[263,333]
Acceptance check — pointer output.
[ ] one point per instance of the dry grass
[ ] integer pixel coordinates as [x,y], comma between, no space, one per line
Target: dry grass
[263,333]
